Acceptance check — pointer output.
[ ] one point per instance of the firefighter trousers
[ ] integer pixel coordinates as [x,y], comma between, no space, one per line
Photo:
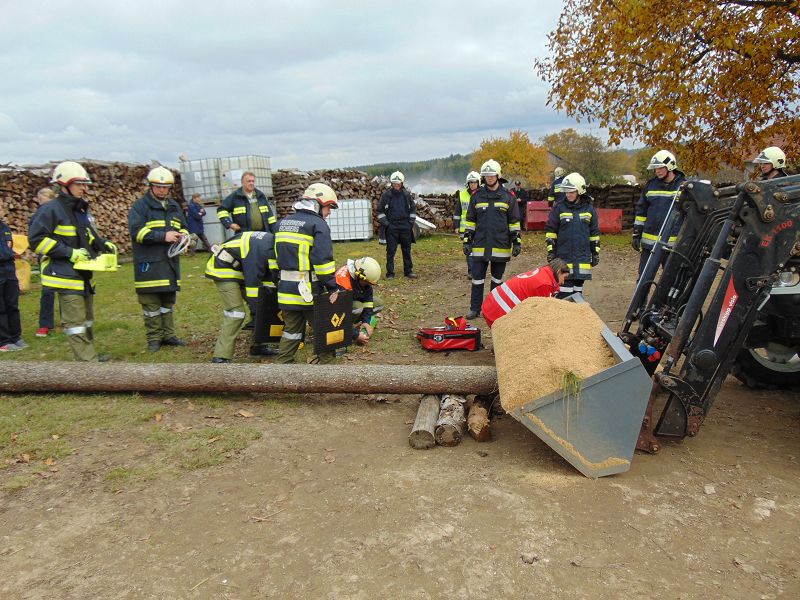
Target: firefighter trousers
[233,314]
[294,326]
[77,314]
[159,317]
[479,268]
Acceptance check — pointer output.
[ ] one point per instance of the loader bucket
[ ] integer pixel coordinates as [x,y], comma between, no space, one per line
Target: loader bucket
[596,431]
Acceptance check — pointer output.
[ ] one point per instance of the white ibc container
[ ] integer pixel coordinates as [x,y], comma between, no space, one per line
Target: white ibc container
[215,232]
[231,169]
[201,177]
[352,220]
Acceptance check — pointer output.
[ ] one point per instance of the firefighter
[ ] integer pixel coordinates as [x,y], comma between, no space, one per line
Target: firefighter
[654,205]
[772,162]
[247,209]
[572,234]
[359,276]
[62,232]
[397,212]
[239,268]
[555,192]
[304,252]
[543,282]
[491,232]
[156,222]
[522,201]
[462,204]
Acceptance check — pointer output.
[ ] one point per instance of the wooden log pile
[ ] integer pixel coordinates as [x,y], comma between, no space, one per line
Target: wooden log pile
[115,187]
[289,184]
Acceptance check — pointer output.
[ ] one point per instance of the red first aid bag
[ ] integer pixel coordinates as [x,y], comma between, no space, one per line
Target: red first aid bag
[456,334]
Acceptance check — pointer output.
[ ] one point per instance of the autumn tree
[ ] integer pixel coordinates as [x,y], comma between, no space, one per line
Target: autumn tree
[719,77]
[518,157]
[584,153]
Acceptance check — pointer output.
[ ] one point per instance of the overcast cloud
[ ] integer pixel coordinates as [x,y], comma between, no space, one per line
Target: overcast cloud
[310,83]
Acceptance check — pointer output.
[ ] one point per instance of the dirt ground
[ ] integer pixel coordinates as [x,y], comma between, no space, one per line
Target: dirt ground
[331,502]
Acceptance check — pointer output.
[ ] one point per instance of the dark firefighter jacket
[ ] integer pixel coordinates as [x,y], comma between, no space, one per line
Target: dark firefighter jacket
[249,260]
[361,292]
[572,233]
[7,270]
[148,222]
[555,194]
[492,224]
[652,209]
[57,228]
[397,209]
[236,209]
[304,250]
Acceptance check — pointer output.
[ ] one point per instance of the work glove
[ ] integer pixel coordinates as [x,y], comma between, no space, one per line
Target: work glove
[79,254]
[595,260]
[110,246]
[467,248]
[551,256]
[636,241]
[516,248]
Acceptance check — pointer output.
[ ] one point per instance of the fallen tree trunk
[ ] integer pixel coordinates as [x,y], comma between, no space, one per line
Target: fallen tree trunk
[29,376]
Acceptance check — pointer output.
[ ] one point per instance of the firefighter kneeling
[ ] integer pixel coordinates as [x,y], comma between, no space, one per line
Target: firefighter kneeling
[239,268]
[359,276]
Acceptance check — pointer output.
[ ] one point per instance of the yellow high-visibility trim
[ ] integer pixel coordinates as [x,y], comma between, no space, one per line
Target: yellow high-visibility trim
[293,237]
[45,246]
[594,238]
[252,292]
[61,282]
[272,219]
[222,213]
[551,235]
[156,223]
[224,273]
[481,205]
[640,220]
[244,247]
[650,236]
[151,284]
[239,210]
[514,226]
[142,232]
[565,215]
[66,230]
[469,225]
[586,215]
[294,299]
[325,269]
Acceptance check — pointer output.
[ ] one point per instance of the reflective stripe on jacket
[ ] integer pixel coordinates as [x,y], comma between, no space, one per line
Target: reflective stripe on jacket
[303,243]
[653,206]
[54,232]
[462,205]
[503,298]
[493,217]
[573,234]
[149,220]
[236,209]
[255,253]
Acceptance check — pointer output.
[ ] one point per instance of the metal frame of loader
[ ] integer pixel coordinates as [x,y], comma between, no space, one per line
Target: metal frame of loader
[751,234]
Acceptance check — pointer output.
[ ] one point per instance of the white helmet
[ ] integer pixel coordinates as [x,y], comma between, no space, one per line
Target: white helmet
[70,172]
[663,158]
[473,176]
[772,155]
[559,172]
[323,194]
[397,177]
[366,269]
[491,167]
[574,182]
[160,176]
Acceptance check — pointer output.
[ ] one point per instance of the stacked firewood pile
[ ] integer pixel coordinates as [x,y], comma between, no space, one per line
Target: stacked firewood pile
[115,187]
[289,184]
[620,196]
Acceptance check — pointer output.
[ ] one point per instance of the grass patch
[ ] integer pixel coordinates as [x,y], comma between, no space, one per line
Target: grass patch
[195,449]
[118,477]
[16,483]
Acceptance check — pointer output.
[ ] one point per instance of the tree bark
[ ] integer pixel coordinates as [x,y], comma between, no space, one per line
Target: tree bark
[422,434]
[30,376]
[451,423]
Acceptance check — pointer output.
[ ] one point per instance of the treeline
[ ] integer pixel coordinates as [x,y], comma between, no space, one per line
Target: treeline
[453,167]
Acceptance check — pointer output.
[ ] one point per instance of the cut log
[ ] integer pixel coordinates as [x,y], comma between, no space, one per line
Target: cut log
[451,423]
[478,423]
[31,376]
[422,434]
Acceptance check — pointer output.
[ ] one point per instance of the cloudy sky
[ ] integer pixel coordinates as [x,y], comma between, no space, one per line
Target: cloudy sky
[310,83]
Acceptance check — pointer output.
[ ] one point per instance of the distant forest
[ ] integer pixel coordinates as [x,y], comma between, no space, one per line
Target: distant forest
[453,168]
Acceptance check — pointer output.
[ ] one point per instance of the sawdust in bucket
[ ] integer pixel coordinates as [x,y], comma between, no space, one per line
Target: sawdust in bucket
[544,342]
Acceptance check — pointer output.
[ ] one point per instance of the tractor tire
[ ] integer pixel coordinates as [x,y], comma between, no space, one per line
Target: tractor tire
[759,369]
